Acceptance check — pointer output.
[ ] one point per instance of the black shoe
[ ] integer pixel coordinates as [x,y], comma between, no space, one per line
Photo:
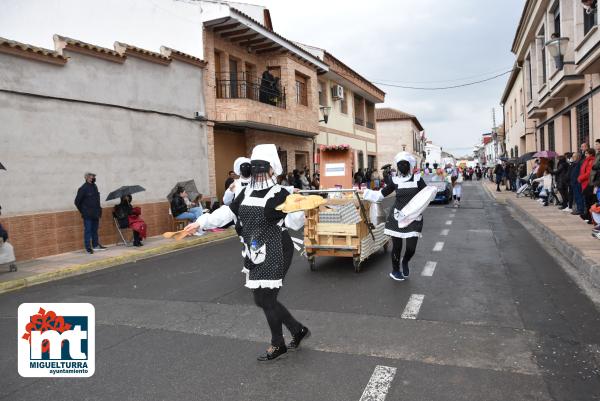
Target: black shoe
[405,270]
[297,338]
[272,353]
[89,250]
[137,244]
[100,248]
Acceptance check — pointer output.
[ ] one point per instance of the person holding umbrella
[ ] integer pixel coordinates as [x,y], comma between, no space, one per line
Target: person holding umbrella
[130,217]
[87,202]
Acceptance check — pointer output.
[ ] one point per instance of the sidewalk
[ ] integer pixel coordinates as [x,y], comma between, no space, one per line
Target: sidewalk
[565,232]
[55,267]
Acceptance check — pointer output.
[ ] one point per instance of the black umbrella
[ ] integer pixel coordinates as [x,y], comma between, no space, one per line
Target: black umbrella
[190,188]
[527,156]
[123,191]
[2,167]
[386,166]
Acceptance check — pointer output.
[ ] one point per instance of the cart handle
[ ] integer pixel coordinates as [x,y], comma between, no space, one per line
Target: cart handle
[317,191]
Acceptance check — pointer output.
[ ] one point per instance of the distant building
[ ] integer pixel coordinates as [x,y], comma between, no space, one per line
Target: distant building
[433,154]
[398,131]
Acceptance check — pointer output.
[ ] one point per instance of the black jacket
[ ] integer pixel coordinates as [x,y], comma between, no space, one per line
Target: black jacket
[3,233]
[87,201]
[562,173]
[178,205]
[121,213]
[574,170]
[595,175]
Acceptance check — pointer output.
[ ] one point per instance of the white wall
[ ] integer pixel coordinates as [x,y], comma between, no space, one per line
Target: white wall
[393,137]
[433,154]
[47,144]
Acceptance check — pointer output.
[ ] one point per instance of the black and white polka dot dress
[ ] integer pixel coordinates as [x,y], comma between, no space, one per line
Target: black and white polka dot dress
[405,191]
[267,254]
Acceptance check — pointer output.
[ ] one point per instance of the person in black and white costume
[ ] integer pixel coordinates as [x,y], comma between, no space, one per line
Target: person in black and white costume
[241,167]
[268,248]
[406,185]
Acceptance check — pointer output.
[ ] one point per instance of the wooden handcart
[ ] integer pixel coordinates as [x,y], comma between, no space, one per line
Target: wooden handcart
[357,241]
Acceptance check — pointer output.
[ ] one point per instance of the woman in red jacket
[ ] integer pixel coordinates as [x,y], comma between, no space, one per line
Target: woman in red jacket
[584,179]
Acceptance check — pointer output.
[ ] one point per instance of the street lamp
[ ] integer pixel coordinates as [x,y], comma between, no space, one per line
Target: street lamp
[325,110]
[557,48]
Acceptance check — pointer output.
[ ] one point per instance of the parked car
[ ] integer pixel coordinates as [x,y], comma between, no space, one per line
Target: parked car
[444,188]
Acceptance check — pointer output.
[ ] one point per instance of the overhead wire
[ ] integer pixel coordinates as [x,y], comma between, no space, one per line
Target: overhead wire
[483,74]
[443,87]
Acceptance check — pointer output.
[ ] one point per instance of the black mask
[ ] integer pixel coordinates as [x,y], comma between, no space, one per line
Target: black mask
[246,170]
[403,167]
[94,180]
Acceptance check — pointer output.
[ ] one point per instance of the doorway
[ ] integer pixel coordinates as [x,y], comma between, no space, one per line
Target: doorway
[301,160]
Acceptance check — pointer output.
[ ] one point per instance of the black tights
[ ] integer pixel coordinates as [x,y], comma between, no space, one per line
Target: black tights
[277,314]
[411,247]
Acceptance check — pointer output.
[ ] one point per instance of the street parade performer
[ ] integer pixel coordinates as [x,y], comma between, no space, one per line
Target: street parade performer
[405,219]
[241,167]
[268,248]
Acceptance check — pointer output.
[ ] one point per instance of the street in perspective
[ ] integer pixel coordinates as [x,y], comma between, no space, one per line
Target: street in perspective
[281,201]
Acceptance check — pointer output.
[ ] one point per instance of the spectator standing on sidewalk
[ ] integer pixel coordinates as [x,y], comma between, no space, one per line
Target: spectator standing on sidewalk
[575,186]
[562,181]
[584,180]
[584,147]
[87,202]
[595,174]
[499,173]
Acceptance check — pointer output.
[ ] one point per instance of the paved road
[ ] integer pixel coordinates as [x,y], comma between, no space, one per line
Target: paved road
[492,317]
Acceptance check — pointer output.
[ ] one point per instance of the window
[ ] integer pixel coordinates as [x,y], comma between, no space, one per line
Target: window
[370,107]
[583,123]
[359,110]
[301,90]
[556,18]
[543,54]
[551,139]
[515,111]
[521,101]
[322,94]
[529,82]
[589,20]
[344,103]
[542,139]
[516,151]
[512,153]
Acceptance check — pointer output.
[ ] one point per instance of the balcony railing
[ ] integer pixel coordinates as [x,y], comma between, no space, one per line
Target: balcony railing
[247,86]
[370,125]
[358,121]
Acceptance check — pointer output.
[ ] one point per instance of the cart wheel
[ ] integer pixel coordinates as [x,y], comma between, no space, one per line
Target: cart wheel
[386,246]
[12,267]
[356,262]
[312,263]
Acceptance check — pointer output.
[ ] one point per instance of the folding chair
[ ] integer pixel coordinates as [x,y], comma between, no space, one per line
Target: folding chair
[120,230]
[178,224]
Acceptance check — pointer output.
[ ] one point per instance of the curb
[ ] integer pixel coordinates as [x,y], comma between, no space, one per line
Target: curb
[587,268]
[75,270]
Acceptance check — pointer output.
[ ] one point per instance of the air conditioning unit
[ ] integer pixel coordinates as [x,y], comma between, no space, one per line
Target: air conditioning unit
[337,92]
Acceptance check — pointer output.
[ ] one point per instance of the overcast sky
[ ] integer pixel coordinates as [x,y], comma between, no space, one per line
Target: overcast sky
[412,42]
[415,41]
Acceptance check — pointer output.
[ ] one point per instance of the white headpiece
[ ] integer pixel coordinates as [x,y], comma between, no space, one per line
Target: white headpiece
[238,163]
[406,156]
[268,153]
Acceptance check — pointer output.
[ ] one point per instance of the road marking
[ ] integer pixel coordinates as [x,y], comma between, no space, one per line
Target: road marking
[445,232]
[412,307]
[438,246]
[379,384]
[429,269]
[452,216]
[449,223]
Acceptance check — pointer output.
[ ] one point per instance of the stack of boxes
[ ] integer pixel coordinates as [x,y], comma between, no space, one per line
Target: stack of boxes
[369,246]
[340,214]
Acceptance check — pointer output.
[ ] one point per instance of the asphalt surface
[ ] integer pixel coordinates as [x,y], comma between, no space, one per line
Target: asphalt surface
[499,320]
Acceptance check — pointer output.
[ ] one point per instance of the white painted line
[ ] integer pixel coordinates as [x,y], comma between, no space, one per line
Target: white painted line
[379,384]
[449,223]
[412,307]
[438,246]
[429,269]
[445,232]
[452,216]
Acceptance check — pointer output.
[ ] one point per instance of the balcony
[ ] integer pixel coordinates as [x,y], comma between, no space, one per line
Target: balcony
[370,125]
[248,86]
[359,121]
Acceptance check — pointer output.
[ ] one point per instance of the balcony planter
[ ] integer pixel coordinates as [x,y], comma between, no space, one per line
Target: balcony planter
[334,147]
